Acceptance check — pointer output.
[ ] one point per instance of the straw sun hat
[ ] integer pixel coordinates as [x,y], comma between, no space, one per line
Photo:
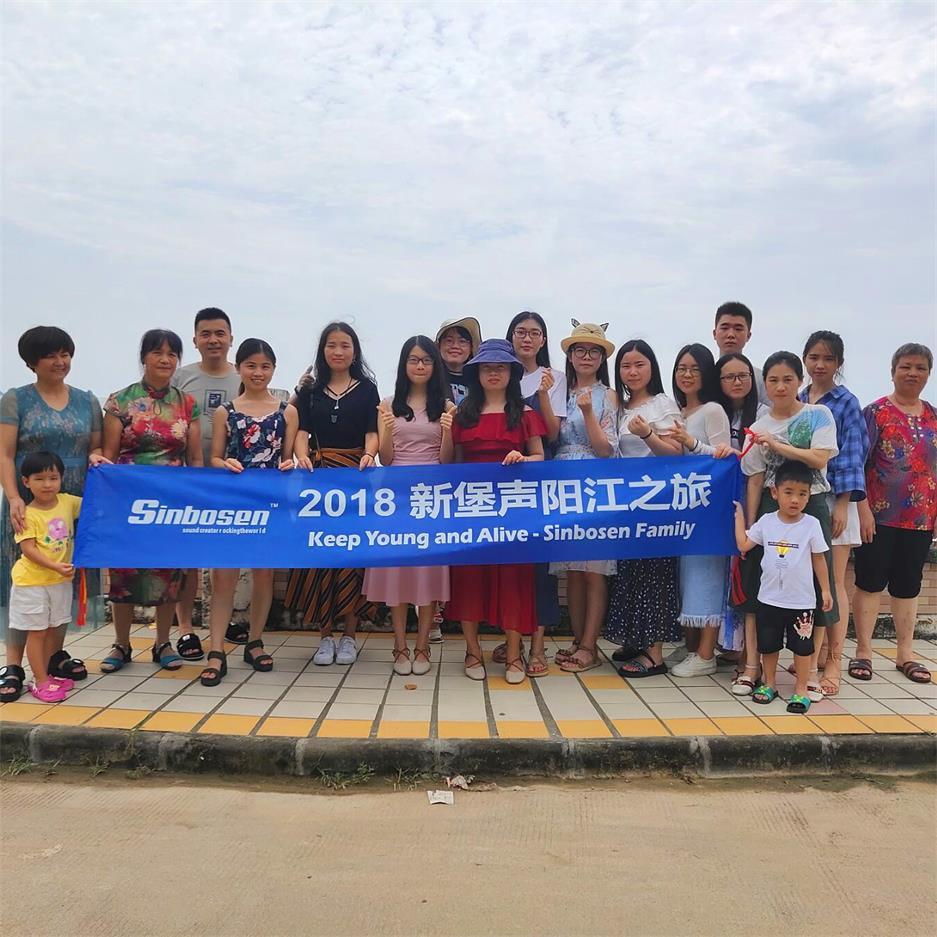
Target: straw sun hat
[588,333]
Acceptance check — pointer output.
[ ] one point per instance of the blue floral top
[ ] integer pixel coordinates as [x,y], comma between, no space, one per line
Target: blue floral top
[256,443]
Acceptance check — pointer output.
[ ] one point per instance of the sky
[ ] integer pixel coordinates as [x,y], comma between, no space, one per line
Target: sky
[396,165]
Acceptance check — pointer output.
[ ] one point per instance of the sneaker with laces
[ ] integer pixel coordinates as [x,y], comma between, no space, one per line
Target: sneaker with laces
[694,666]
[325,654]
[347,650]
[435,635]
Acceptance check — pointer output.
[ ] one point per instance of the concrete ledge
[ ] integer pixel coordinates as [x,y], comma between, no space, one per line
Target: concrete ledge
[278,757]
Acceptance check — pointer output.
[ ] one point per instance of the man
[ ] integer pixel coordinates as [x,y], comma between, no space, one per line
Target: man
[458,340]
[732,331]
[212,381]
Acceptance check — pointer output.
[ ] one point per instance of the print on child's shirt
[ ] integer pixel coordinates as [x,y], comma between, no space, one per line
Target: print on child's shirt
[782,548]
[56,533]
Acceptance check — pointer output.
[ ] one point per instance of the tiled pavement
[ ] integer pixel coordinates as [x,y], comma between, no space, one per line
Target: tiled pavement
[298,699]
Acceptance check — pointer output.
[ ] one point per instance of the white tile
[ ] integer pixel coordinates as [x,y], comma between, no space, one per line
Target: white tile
[357,695]
[244,707]
[366,681]
[191,704]
[406,714]
[145,701]
[352,711]
[309,694]
[298,709]
[259,691]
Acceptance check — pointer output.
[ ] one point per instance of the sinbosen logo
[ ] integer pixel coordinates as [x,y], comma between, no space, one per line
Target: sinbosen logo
[150,511]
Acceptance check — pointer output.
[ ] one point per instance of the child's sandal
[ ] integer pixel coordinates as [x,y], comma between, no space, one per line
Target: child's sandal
[62,665]
[12,678]
[764,694]
[798,704]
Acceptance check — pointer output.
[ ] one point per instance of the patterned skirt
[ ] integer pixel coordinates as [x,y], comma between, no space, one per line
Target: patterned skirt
[146,587]
[644,602]
[325,595]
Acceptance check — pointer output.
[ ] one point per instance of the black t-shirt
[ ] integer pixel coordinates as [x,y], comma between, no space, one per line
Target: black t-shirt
[341,427]
[458,385]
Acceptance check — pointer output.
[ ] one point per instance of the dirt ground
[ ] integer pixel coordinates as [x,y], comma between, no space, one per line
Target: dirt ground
[109,856]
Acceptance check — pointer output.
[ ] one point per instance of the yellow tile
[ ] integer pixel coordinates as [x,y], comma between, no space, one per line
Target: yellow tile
[891,652]
[463,730]
[21,712]
[403,730]
[557,671]
[222,724]
[499,683]
[345,729]
[741,725]
[172,722]
[640,728]
[928,723]
[583,728]
[187,672]
[511,729]
[117,719]
[140,644]
[603,682]
[692,726]
[284,725]
[65,715]
[889,724]
[790,725]
[841,725]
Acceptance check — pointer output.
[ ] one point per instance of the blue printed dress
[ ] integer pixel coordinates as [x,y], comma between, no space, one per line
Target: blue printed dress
[255,442]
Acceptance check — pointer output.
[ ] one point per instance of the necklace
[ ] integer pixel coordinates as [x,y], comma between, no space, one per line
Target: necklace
[352,384]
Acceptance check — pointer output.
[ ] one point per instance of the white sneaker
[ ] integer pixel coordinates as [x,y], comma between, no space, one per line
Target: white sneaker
[694,666]
[325,654]
[435,635]
[676,656]
[347,651]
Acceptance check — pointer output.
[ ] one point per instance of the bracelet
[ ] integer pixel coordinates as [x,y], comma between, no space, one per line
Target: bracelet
[696,446]
[368,454]
[649,435]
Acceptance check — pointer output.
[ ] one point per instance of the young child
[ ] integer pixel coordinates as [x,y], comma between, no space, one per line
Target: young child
[253,431]
[41,596]
[793,545]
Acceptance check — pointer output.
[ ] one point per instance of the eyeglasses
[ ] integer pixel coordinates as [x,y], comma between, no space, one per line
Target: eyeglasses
[426,362]
[688,372]
[740,378]
[587,352]
[455,340]
[535,334]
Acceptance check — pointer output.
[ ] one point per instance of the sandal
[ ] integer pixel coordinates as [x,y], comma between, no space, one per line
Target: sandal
[566,652]
[113,662]
[238,632]
[575,664]
[814,690]
[49,691]
[164,656]
[915,671]
[189,647]
[641,669]
[262,663]
[860,668]
[625,653]
[537,665]
[798,704]
[500,654]
[61,664]
[211,676]
[422,662]
[477,670]
[743,685]
[402,663]
[515,671]
[829,685]
[12,677]
[764,694]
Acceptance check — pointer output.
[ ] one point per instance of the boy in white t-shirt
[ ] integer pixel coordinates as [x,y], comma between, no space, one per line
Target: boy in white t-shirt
[787,598]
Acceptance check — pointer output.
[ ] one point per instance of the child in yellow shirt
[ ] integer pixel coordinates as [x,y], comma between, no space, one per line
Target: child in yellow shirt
[41,594]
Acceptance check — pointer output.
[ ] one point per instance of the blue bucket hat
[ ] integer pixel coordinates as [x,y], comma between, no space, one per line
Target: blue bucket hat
[496,351]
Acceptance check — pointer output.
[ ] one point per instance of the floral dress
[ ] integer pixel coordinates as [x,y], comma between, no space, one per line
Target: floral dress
[155,428]
[255,443]
[66,432]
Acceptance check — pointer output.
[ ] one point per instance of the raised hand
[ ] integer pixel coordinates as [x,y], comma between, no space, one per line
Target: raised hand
[584,401]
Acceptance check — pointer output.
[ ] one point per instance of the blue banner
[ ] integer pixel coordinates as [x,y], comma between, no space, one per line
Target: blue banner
[434,515]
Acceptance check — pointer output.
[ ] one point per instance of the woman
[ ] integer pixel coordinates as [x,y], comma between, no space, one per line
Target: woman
[790,430]
[47,415]
[898,517]
[704,431]
[414,428]
[458,340]
[587,432]
[337,429]
[823,358]
[493,424]
[150,422]
[645,599]
[544,389]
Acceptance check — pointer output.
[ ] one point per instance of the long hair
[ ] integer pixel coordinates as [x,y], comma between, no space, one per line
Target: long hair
[322,373]
[252,346]
[654,386]
[470,409]
[749,408]
[704,361]
[601,374]
[438,391]
[543,356]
